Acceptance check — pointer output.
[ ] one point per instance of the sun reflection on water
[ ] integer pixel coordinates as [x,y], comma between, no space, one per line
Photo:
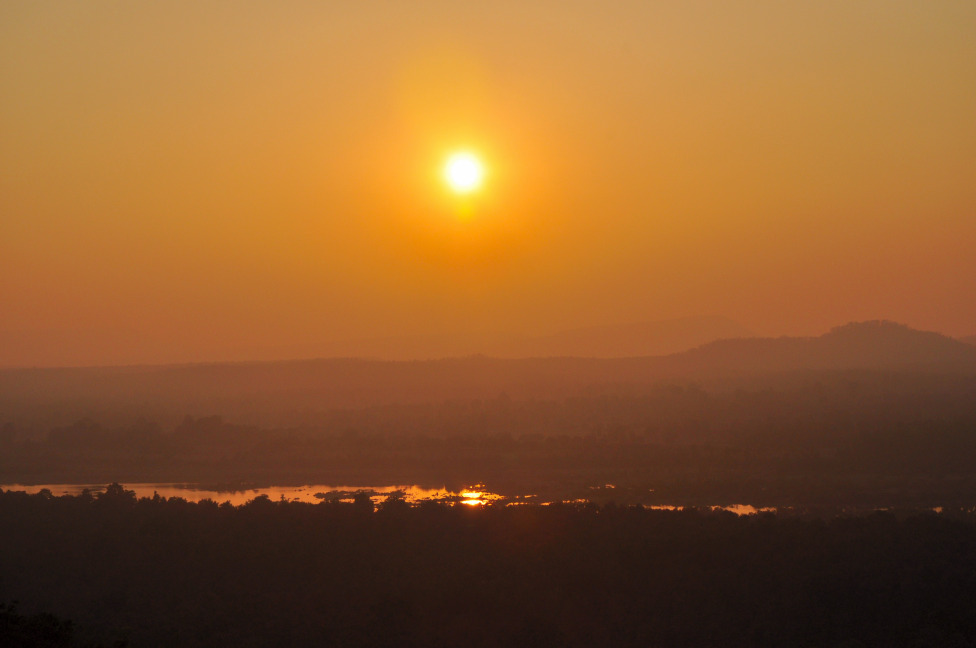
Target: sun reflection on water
[476,495]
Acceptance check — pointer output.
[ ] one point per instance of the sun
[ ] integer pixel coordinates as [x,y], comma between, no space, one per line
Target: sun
[464,172]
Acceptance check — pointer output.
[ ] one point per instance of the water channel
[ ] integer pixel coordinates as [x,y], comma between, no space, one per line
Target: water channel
[475,495]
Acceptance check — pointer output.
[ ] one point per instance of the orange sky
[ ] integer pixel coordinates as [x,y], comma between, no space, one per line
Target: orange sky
[187,181]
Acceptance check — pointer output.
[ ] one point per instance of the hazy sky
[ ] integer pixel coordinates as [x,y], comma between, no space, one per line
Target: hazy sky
[204,180]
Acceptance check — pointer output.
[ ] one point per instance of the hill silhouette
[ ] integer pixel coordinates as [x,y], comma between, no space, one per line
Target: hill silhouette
[969,339]
[629,340]
[875,345]
[661,337]
[76,347]
[278,392]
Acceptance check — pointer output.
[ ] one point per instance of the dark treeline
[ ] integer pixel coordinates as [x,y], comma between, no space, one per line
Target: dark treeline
[864,440]
[157,572]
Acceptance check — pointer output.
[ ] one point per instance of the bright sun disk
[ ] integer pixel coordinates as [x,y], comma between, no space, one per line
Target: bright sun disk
[463,172]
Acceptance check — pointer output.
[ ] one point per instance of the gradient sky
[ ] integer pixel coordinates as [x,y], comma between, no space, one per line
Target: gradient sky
[187,180]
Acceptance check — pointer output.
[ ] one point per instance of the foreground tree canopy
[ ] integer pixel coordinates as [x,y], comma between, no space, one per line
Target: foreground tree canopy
[159,572]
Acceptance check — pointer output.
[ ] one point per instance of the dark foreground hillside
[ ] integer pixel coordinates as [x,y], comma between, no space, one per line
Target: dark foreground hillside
[169,573]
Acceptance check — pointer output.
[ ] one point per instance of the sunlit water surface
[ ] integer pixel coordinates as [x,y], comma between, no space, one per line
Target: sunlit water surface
[475,495]
[311,494]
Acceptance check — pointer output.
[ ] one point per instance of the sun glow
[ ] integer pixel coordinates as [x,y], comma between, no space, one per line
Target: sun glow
[477,496]
[464,172]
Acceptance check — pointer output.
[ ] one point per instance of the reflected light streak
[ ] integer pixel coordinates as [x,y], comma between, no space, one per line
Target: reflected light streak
[477,495]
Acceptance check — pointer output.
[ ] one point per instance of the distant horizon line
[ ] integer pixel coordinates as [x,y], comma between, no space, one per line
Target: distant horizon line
[966,339]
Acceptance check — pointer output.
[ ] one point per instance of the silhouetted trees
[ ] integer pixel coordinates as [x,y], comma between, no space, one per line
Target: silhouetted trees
[167,572]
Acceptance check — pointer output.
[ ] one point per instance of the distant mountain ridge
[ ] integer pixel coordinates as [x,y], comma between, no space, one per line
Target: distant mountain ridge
[268,392]
[656,338]
[969,339]
[663,337]
[875,344]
